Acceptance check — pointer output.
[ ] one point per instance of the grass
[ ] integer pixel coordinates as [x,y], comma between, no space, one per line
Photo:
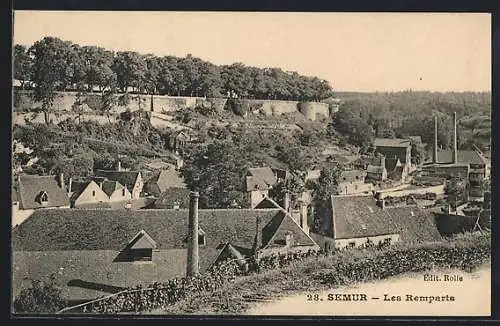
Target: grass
[323,273]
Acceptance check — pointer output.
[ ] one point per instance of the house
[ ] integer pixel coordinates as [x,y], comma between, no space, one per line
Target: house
[258,182]
[115,191]
[132,180]
[354,221]
[163,180]
[396,170]
[394,147]
[34,192]
[95,252]
[353,182]
[87,192]
[178,140]
[376,171]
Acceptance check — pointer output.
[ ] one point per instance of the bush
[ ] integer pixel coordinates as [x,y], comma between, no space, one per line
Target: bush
[41,297]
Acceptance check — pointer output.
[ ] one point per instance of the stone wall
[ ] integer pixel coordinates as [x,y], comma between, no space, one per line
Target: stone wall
[163,104]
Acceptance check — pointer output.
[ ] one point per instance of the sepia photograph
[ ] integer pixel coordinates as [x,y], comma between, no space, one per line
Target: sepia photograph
[251,164]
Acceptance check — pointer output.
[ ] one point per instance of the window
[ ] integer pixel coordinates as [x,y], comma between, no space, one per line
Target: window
[357,177]
[201,240]
[123,192]
[43,198]
[93,193]
[352,244]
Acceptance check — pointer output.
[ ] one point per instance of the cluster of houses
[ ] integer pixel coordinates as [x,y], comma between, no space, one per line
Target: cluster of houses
[115,229]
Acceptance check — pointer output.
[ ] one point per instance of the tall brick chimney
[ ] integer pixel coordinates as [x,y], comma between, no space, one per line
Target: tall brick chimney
[455,158]
[303,216]
[61,181]
[70,184]
[435,148]
[192,244]
[286,201]
[258,235]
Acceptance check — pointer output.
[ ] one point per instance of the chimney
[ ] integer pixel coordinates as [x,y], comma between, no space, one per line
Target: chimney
[258,235]
[286,201]
[119,167]
[61,181]
[303,216]
[455,159]
[70,183]
[192,245]
[382,204]
[435,152]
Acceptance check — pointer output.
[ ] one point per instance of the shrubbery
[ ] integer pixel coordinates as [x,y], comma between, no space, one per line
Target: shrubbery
[41,297]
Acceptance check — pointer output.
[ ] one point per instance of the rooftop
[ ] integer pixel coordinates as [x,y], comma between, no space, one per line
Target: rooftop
[391,142]
[30,188]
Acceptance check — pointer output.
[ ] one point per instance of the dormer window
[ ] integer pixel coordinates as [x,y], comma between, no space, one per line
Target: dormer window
[43,198]
[139,249]
[202,239]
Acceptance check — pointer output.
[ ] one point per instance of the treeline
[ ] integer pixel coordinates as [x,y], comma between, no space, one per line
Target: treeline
[52,63]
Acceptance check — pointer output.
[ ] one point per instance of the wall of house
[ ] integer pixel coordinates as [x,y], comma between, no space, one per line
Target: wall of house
[117,195]
[356,187]
[286,250]
[256,197]
[346,243]
[438,190]
[86,196]
[447,170]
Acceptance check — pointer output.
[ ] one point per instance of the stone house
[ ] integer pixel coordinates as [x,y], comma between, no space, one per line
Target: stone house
[87,192]
[132,180]
[354,221]
[258,182]
[97,252]
[394,147]
[353,182]
[163,180]
[33,192]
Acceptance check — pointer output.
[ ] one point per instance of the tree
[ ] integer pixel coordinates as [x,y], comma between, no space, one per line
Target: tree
[293,185]
[23,64]
[55,66]
[218,172]
[456,190]
[358,131]
[97,67]
[130,69]
[328,181]
[418,154]
[41,297]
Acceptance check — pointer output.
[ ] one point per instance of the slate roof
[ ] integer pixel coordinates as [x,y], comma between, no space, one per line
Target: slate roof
[78,187]
[359,216]
[464,157]
[30,187]
[126,178]
[260,178]
[391,142]
[79,229]
[274,233]
[352,175]
[267,202]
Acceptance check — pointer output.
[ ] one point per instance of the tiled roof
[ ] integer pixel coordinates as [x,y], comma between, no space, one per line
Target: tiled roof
[167,178]
[464,157]
[352,175]
[260,178]
[274,233]
[126,178]
[75,229]
[77,187]
[391,142]
[30,187]
[267,202]
[359,216]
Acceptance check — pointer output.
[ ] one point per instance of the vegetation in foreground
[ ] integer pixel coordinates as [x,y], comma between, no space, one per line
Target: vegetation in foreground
[466,252]
[224,290]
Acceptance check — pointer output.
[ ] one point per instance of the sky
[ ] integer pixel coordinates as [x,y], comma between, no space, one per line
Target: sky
[353,51]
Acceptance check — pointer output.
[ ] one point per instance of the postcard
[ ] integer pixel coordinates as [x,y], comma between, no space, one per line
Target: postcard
[251,163]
